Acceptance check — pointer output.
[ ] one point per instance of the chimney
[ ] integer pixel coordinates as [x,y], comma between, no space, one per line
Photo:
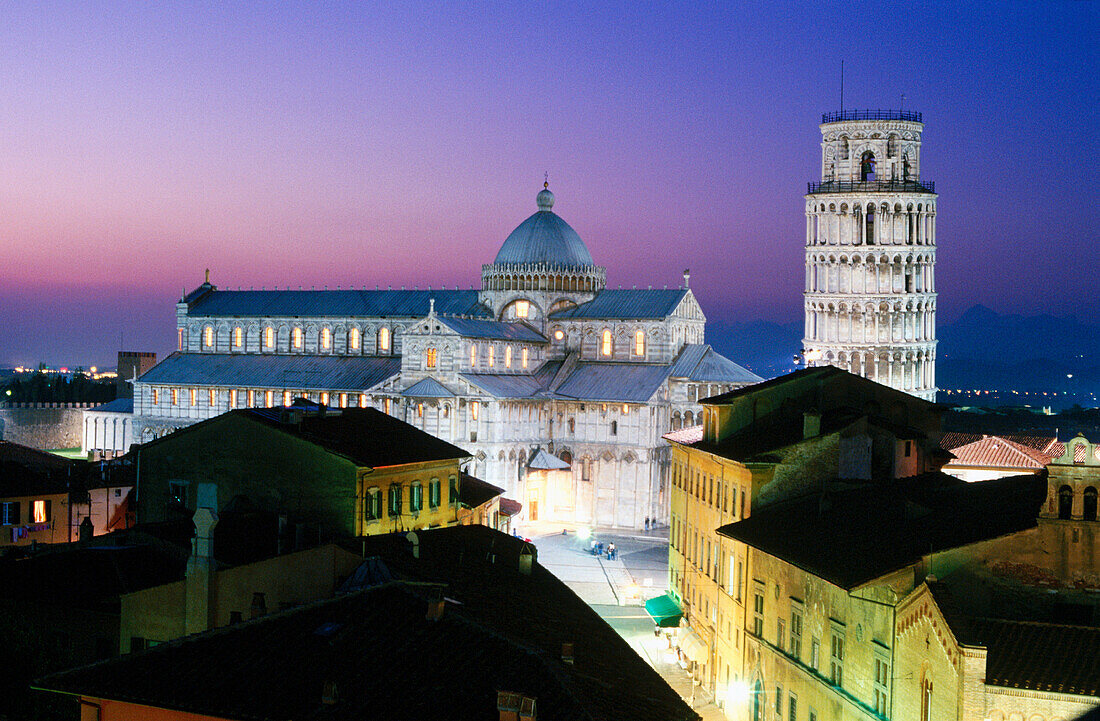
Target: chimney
[811,424]
[567,653]
[86,531]
[526,559]
[198,589]
[259,605]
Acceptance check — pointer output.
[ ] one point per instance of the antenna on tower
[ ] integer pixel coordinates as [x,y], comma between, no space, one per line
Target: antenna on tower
[842,86]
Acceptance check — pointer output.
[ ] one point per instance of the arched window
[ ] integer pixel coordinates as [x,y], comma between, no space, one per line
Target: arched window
[1065,502]
[523,357]
[639,343]
[296,337]
[523,308]
[689,419]
[870,225]
[238,337]
[473,355]
[508,356]
[566,456]
[326,338]
[892,147]
[605,343]
[431,357]
[269,337]
[867,166]
[492,355]
[208,336]
[383,340]
[926,699]
[1090,504]
[353,339]
[844,148]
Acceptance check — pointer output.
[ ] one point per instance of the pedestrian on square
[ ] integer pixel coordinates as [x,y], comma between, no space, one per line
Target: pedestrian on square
[611,552]
[647,523]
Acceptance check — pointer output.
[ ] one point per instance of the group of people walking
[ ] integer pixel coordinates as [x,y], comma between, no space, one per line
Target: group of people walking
[599,549]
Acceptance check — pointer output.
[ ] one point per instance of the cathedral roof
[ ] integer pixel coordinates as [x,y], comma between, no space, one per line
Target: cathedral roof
[338,303]
[329,372]
[700,362]
[544,238]
[427,388]
[493,329]
[627,304]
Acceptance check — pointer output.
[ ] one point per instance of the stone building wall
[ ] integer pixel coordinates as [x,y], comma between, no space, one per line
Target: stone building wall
[43,425]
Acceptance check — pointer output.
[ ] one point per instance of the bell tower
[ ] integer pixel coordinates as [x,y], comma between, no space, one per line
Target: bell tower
[870,293]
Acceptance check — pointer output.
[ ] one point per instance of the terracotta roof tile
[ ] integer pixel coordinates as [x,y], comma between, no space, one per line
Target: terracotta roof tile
[999,452]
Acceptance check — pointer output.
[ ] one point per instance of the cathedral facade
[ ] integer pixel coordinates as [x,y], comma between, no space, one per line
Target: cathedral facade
[870,294]
[559,387]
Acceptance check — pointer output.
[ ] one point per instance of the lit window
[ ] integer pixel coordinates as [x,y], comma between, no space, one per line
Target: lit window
[383,340]
[156,396]
[269,337]
[523,357]
[175,396]
[324,398]
[419,410]
[605,345]
[473,355]
[238,337]
[179,339]
[559,334]
[353,339]
[208,337]
[474,407]
[492,353]
[41,514]
[269,398]
[430,357]
[326,338]
[286,398]
[212,397]
[508,357]
[297,337]
[626,409]
[251,398]
[194,397]
[386,406]
[232,399]
[343,400]
[362,400]
[523,308]
[639,343]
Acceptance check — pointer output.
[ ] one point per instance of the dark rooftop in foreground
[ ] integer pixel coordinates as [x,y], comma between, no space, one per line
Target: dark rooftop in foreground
[853,536]
[500,630]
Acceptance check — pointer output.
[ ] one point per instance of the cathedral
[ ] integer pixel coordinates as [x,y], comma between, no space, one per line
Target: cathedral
[559,387]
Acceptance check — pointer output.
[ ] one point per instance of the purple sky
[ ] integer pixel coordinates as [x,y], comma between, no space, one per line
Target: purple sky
[328,144]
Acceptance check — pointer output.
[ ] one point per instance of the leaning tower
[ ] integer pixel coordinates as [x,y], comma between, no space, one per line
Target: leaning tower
[870,293]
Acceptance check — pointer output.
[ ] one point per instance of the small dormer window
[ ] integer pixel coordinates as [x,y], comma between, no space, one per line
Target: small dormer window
[523,308]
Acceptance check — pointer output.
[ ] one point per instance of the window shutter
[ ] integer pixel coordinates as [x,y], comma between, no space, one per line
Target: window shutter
[16,519]
[49,510]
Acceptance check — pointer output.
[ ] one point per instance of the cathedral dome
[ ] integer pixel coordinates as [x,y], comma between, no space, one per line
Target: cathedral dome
[544,238]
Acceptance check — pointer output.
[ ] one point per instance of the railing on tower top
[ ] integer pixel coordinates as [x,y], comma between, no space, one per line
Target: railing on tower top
[910,115]
[867,186]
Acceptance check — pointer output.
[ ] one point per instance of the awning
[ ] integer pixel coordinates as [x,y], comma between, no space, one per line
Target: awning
[664,611]
[693,646]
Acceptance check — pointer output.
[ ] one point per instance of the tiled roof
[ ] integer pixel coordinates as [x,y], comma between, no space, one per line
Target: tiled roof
[685,436]
[851,537]
[427,388]
[998,452]
[500,631]
[509,507]
[365,436]
[492,329]
[627,305]
[337,303]
[1040,656]
[702,363]
[821,372]
[473,492]
[1045,444]
[335,373]
[32,457]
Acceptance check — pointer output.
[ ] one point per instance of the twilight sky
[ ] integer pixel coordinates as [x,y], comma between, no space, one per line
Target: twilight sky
[339,144]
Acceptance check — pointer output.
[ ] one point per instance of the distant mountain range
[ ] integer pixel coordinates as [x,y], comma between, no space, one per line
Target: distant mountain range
[982,349]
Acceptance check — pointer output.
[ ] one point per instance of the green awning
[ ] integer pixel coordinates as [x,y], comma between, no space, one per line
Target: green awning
[664,610]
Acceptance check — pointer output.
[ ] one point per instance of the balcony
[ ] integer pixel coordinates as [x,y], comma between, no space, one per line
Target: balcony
[909,115]
[871,186]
